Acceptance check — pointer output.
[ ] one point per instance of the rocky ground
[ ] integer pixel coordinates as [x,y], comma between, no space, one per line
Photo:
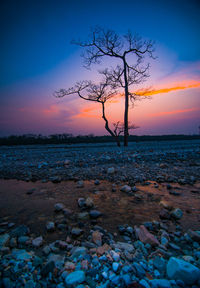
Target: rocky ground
[169,161]
[124,217]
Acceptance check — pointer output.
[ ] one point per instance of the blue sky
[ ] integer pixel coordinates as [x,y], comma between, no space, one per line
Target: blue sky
[37,56]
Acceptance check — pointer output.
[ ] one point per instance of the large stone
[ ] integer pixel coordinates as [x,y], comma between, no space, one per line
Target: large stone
[146,237]
[179,269]
[75,278]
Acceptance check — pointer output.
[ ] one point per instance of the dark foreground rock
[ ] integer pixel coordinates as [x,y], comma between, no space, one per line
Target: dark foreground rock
[144,260]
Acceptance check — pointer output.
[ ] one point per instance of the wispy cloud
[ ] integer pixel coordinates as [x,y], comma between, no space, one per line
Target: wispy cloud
[51,111]
[167,90]
[165,113]
[87,113]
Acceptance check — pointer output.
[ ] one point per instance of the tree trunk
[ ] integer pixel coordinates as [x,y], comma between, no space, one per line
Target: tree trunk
[107,126]
[126,106]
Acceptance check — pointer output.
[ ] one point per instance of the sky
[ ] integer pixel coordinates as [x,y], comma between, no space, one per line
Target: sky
[37,58]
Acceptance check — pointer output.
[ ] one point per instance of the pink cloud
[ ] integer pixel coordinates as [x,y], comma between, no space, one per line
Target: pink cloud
[165,113]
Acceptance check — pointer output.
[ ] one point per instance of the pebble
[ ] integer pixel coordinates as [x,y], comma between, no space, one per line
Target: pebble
[76,232]
[58,207]
[4,239]
[177,213]
[81,202]
[37,242]
[97,238]
[111,170]
[80,184]
[115,266]
[94,214]
[126,189]
[89,202]
[75,278]
[50,226]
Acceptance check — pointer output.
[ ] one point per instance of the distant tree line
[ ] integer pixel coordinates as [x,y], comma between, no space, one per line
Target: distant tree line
[32,139]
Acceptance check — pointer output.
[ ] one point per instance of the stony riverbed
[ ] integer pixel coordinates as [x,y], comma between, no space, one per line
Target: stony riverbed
[99,216]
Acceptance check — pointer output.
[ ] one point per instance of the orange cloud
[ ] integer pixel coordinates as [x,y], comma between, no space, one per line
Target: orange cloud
[93,110]
[86,113]
[174,112]
[53,110]
[167,90]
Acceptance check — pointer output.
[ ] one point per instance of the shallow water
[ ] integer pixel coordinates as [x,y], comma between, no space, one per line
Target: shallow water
[117,207]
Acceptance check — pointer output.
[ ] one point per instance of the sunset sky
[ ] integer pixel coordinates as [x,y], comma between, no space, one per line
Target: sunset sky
[37,58]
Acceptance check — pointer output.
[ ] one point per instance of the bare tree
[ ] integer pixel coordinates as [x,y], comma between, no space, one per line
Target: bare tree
[130,51]
[97,93]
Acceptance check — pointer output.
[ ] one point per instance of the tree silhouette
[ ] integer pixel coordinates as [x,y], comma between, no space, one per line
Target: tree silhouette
[130,52]
[99,93]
